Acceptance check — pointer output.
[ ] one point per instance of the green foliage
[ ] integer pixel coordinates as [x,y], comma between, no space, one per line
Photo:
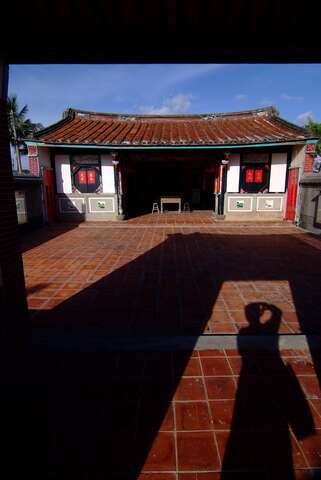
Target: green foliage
[315,128]
[24,126]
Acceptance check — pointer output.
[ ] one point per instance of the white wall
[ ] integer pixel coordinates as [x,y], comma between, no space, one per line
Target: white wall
[278,172]
[233,173]
[44,157]
[63,174]
[298,154]
[107,174]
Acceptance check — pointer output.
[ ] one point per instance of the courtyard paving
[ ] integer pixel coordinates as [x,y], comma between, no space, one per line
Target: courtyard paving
[195,414]
[157,280]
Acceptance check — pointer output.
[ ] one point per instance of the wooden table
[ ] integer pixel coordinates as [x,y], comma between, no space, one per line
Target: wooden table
[177,200]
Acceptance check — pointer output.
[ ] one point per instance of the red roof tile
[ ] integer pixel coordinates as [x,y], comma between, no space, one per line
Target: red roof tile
[248,127]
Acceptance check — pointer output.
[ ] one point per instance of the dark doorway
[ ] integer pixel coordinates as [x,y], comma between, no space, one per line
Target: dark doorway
[147,181]
[152,180]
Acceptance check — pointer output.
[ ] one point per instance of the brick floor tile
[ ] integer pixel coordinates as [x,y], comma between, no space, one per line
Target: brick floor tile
[216,366]
[290,316]
[223,412]
[199,476]
[224,328]
[285,328]
[43,293]
[190,389]
[51,304]
[197,451]
[301,366]
[157,476]
[219,316]
[311,447]
[193,416]
[232,352]
[35,302]
[310,386]
[220,388]
[212,353]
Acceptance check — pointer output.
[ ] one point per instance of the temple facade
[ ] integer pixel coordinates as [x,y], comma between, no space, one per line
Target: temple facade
[242,165]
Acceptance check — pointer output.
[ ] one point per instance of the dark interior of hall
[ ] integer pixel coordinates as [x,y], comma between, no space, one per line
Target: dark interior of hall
[149,179]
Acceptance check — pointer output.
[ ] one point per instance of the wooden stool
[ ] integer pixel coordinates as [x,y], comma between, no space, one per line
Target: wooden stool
[186,207]
[155,208]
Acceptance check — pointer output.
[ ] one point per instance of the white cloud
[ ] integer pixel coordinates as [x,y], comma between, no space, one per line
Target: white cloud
[49,89]
[240,97]
[304,117]
[179,103]
[266,102]
[174,74]
[291,98]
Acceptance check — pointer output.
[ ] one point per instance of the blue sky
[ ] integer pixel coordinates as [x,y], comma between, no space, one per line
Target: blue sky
[50,89]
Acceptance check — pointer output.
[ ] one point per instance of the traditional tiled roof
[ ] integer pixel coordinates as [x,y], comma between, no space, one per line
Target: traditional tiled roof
[249,127]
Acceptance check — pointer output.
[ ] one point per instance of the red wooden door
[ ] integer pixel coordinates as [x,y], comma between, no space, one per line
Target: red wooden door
[49,182]
[292,193]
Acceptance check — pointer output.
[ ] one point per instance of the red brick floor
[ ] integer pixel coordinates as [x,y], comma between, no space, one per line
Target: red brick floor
[179,415]
[110,415]
[172,218]
[196,217]
[155,280]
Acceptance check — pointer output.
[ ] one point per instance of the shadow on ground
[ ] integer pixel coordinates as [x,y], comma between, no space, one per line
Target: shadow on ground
[33,238]
[90,414]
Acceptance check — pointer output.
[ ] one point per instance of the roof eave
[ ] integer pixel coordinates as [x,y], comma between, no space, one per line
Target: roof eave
[286,142]
[58,124]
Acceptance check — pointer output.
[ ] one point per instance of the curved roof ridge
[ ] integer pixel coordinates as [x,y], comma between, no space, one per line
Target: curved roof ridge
[268,111]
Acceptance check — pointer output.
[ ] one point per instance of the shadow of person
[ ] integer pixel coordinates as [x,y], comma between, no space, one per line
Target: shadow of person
[270,410]
[99,412]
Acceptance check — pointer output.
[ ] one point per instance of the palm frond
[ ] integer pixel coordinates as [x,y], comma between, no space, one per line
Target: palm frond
[23,112]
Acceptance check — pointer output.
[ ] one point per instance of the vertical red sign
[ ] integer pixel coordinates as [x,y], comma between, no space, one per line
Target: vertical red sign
[32,150]
[82,177]
[310,148]
[91,175]
[258,176]
[34,166]
[249,176]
